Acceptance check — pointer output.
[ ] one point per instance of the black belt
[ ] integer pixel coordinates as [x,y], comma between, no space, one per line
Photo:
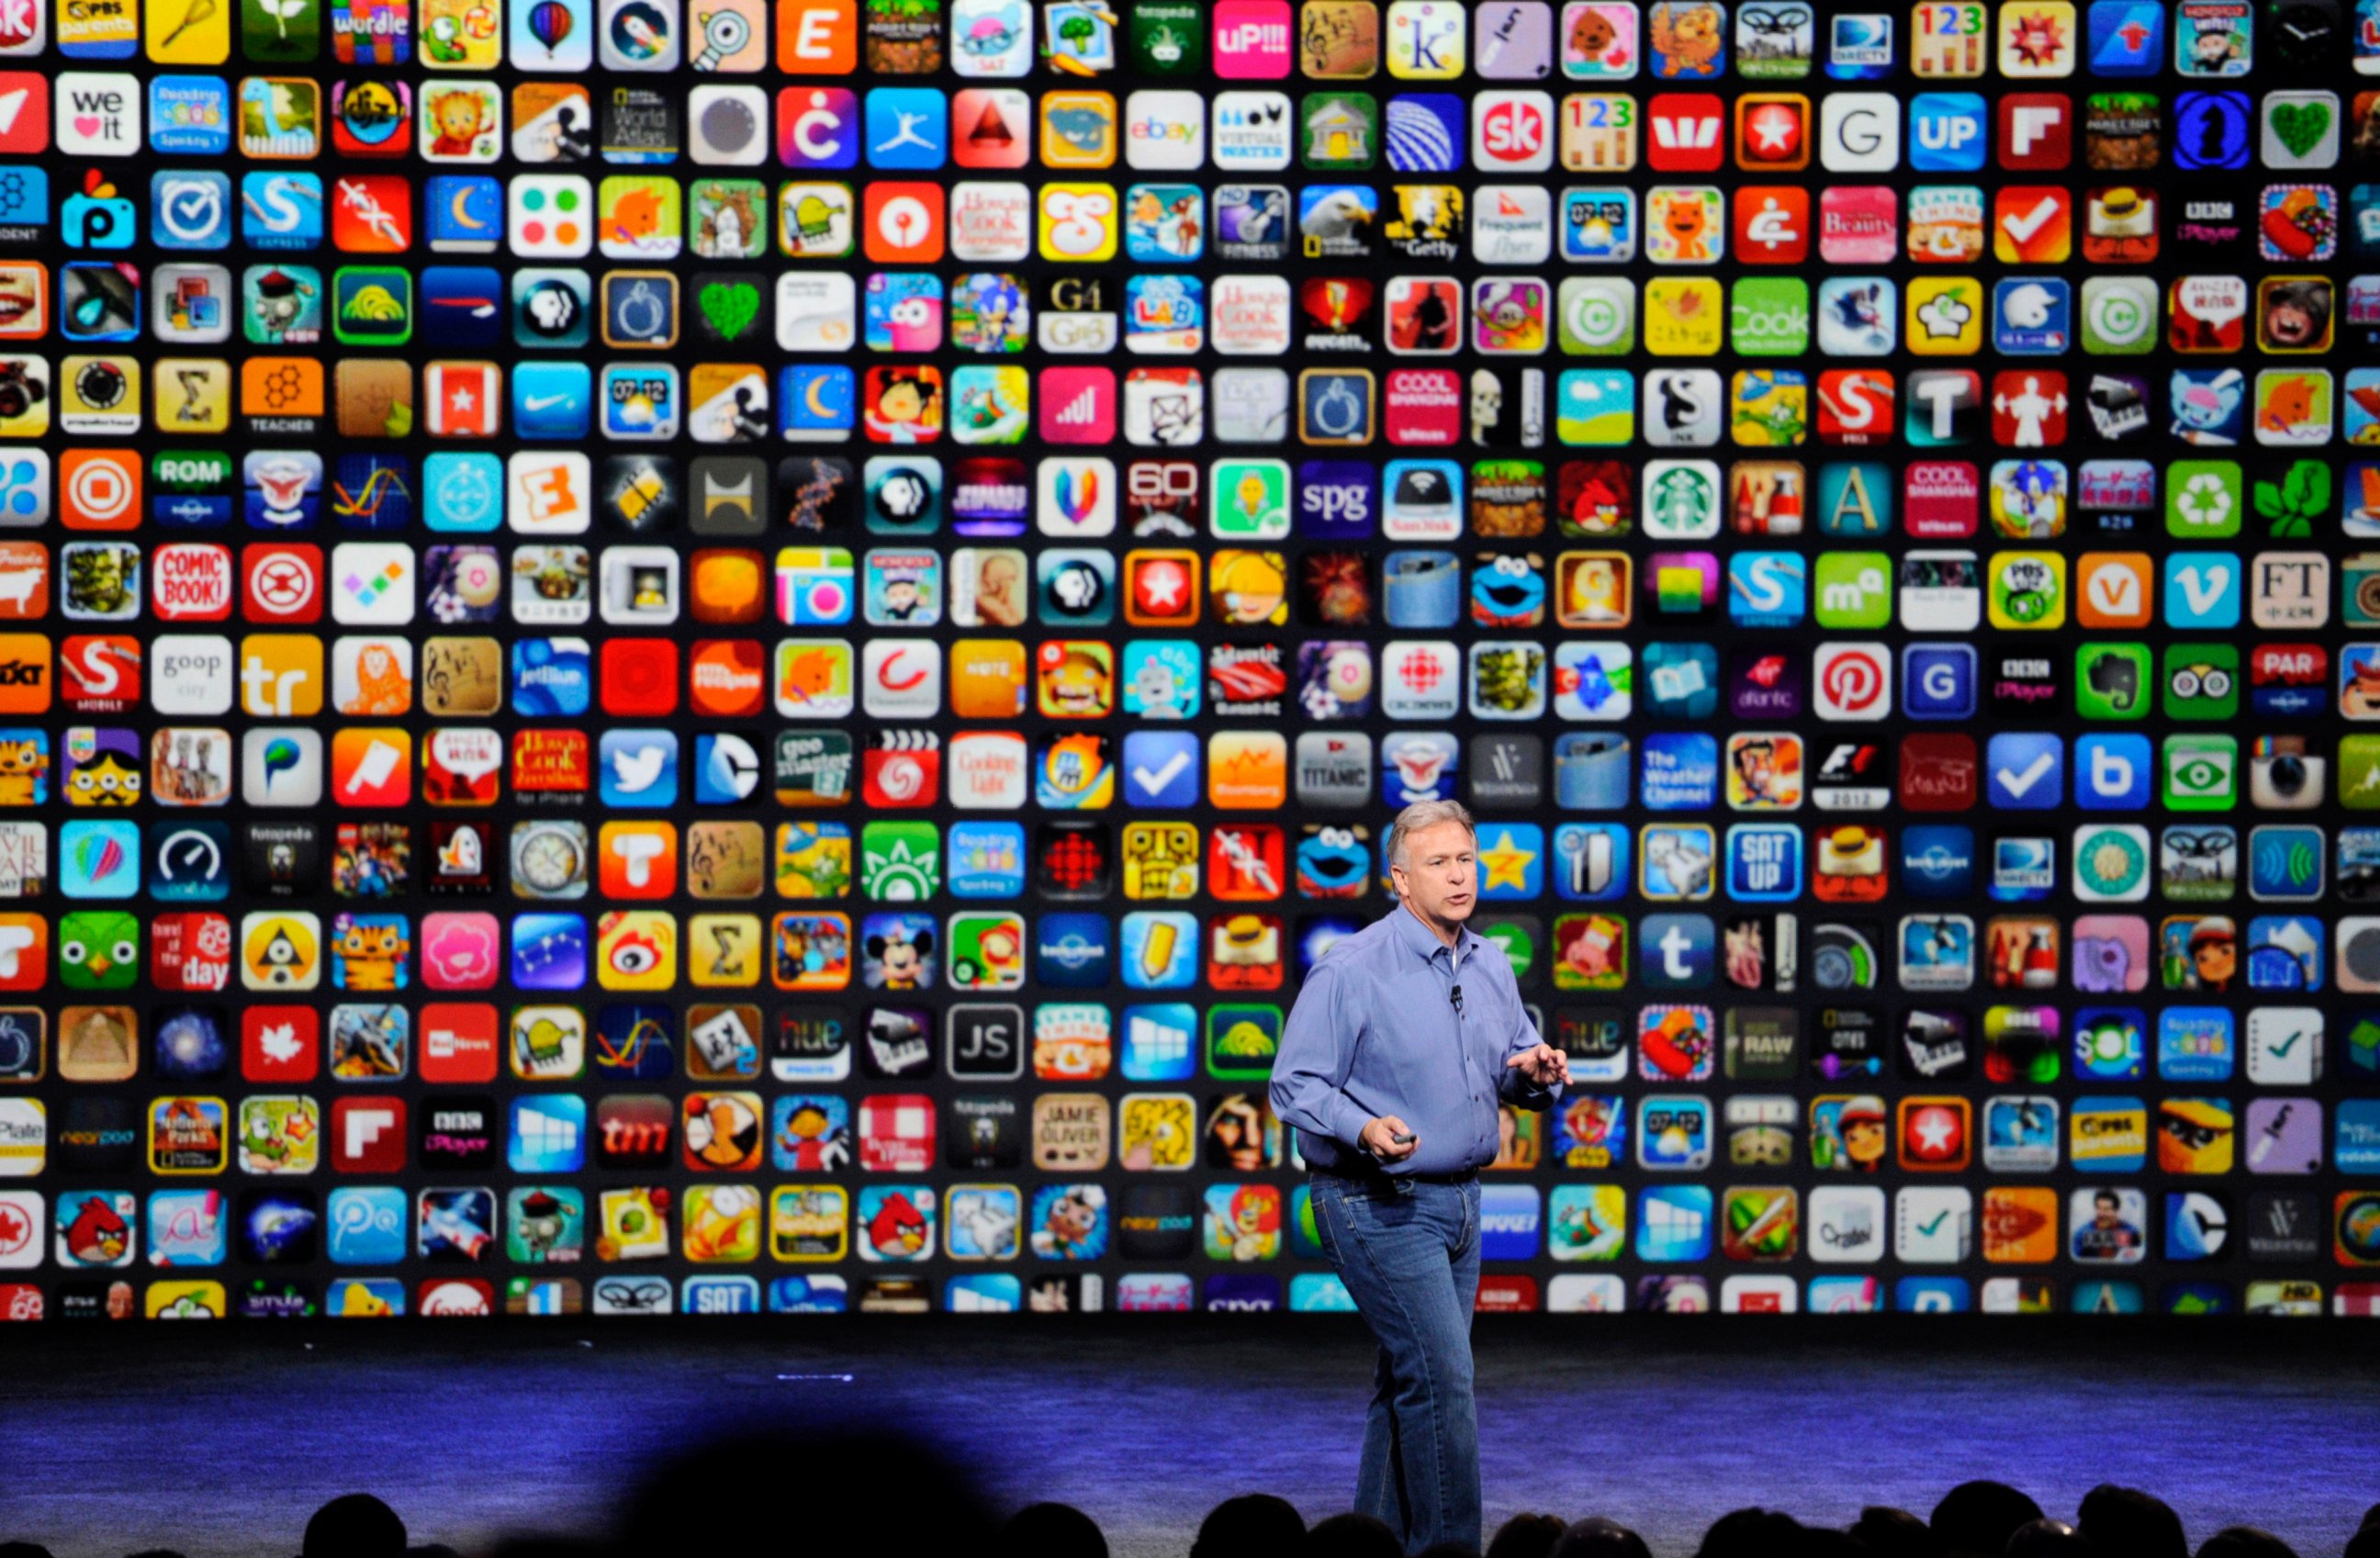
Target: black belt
[1381,1180]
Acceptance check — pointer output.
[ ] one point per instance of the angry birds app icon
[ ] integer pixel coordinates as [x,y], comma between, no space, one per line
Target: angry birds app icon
[99,949]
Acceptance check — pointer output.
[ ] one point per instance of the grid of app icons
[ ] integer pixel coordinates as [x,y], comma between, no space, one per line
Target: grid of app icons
[727,656]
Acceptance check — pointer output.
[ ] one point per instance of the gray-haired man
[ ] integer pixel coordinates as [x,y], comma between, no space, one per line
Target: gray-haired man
[1405,1038]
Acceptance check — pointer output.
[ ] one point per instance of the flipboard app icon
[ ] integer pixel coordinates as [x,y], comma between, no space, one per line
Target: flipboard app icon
[368,1135]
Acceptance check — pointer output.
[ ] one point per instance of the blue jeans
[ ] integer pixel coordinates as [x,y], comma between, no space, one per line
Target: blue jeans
[1409,1254]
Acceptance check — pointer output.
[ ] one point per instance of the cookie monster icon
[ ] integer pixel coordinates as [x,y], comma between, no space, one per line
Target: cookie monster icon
[1507,593]
[1331,863]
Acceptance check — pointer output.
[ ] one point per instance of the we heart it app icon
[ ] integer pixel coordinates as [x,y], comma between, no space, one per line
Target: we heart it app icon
[98,114]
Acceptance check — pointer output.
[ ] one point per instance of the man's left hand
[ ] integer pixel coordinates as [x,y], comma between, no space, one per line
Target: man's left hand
[1543,1065]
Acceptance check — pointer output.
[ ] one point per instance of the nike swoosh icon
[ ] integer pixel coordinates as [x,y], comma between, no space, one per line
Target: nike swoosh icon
[1156,783]
[2017,784]
[544,402]
[2022,228]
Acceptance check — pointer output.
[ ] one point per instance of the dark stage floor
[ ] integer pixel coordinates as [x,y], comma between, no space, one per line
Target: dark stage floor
[220,1446]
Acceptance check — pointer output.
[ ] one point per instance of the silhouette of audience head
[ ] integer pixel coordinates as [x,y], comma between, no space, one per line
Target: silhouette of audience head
[353,1526]
[1751,1533]
[1252,1525]
[2245,1541]
[1051,1531]
[1352,1535]
[2128,1523]
[939,1509]
[1975,1519]
[2046,1537]
[874,1475]
[1895,1533]
[1595,1536]
[1526,1535]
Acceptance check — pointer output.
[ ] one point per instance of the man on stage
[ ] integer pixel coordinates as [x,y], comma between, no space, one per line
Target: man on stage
[1402,1041]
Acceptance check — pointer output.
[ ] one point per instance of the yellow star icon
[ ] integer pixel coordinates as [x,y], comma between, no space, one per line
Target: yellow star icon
[1507,863]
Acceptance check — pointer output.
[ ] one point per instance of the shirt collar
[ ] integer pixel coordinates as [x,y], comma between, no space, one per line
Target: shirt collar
[1426,945]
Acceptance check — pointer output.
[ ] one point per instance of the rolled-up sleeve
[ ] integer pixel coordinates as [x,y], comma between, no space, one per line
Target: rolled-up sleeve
[1318,1049]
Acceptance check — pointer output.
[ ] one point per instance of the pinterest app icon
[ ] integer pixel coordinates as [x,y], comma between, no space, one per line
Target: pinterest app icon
[1853,681]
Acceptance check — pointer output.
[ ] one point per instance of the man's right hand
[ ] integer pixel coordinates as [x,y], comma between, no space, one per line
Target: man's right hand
[1380,1139]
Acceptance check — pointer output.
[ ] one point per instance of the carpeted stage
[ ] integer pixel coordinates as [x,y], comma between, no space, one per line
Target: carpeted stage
[220,1444]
